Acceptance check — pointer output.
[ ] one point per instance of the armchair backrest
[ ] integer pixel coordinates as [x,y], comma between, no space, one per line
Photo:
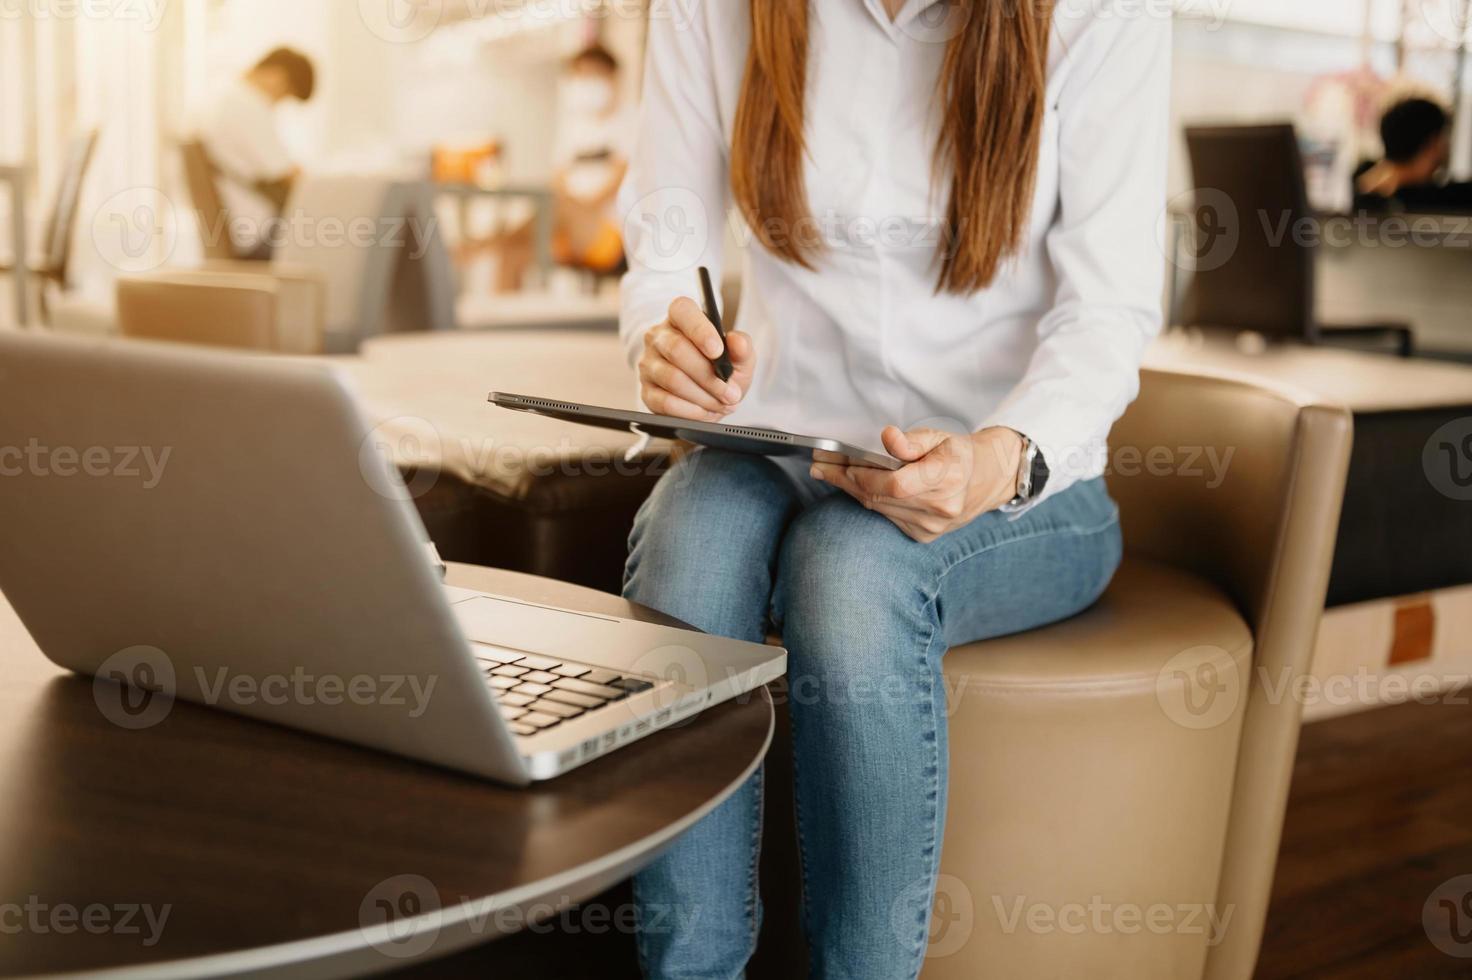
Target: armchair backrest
[1242,483]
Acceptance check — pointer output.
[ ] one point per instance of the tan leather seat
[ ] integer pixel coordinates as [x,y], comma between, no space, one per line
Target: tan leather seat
[226,304]
[1118,780]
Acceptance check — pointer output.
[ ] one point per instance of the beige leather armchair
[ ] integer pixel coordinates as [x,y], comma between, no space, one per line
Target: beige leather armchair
[249,305]
[1118,780]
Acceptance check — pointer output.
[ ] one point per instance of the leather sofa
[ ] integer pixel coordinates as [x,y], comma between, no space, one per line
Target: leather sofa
[1118,779]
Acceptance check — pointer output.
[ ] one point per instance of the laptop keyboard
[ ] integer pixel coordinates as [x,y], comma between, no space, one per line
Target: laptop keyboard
[536,693]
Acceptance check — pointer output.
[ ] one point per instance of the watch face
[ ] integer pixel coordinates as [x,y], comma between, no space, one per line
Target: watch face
[1039,473]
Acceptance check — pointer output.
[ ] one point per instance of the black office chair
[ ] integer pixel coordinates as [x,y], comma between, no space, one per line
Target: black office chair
[1266,282]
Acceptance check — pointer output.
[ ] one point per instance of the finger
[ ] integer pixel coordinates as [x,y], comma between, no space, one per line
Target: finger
[687,318]
[661,402]
[681,352]
[662,374]
[912,445]
[741,348]
[881,483]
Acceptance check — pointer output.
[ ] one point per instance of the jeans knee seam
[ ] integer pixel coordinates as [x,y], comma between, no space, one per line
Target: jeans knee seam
[931,872]
[753,892]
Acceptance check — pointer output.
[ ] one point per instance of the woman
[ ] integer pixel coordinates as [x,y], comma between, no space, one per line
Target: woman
[952,213]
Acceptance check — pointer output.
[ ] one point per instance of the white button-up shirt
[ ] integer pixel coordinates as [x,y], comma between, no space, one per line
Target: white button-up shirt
[1051,348]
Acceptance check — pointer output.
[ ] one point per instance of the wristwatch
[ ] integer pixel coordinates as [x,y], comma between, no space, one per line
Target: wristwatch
[1032,473]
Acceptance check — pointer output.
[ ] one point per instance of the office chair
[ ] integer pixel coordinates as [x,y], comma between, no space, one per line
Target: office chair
[55,260]
[1264,284]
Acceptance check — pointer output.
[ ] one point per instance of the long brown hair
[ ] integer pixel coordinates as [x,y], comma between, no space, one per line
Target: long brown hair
[991,98]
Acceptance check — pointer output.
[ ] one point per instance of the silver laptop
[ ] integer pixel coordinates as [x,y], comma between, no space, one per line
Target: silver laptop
[223,529]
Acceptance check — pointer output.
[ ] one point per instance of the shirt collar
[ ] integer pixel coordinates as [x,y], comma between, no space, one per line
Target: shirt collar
[911,10]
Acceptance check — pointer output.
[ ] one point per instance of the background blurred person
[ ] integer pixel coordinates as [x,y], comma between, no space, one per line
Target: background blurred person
[1411,176]
[590,157]
[240,135]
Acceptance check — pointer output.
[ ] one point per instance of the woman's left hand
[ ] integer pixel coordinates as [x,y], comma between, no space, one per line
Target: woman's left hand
[949,480]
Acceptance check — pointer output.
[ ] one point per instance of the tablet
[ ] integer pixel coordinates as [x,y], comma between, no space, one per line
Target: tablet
[717,435]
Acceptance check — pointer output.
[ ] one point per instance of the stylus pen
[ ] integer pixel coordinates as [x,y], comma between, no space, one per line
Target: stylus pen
[723,367]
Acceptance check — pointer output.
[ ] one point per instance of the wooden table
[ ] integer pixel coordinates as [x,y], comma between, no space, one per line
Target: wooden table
[214,845]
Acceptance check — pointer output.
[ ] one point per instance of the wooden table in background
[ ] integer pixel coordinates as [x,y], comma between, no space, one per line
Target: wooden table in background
[276,853]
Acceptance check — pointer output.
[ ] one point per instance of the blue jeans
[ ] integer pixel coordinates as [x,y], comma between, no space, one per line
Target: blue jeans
[735,544]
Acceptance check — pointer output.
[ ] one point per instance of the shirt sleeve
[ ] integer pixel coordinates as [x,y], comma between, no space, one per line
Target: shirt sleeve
[1113,118]
[674,197]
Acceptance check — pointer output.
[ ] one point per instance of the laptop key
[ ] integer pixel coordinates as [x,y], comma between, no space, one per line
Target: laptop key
[632,684]
[536,690]
[556,708]
[573,698]
[593,690]
[514,699]
[509,670]
[539,719]
[498,656]
[517,728]
[539,677]
[502,683]
[538,663]
[510,713]
[571,670]
[598,675]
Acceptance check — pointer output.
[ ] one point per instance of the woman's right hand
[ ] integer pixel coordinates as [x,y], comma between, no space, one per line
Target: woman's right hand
[676,376]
